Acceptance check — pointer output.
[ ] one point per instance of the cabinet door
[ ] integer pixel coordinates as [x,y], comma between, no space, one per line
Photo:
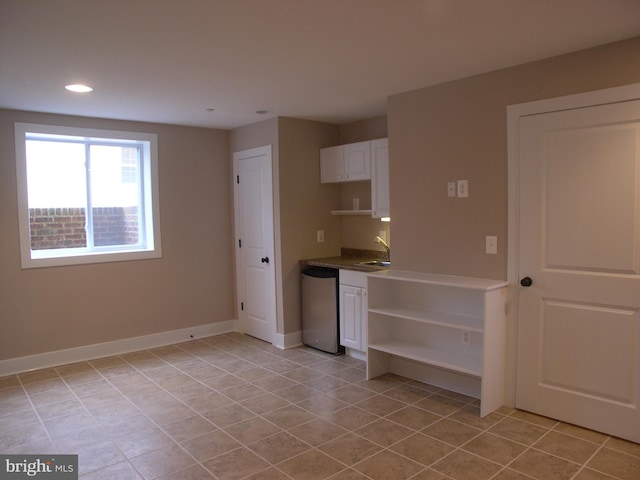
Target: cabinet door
[332,164]
[351,317]
[357,161]
[380,178]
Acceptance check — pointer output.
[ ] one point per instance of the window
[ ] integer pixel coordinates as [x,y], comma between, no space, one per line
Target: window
[86,196]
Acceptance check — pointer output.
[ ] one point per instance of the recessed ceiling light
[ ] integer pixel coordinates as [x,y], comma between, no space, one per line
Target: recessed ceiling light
[78,88]
[264,112]
[210,109]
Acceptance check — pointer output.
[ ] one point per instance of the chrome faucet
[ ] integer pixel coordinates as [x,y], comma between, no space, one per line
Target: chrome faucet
[385,245]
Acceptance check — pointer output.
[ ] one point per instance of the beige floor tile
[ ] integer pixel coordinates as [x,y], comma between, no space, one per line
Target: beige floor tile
[311,465]
[508,474]
[380,405]
[96,456]
[351,417]
[583,433]
[209,445]
[351,394]
[289,416]
[518,431]
[543,466]
[264,403]
[464,466]
[494,448]
[208,401]
[451,432]
[317,431]
[350,449]
[136,444]
[119,471]
[440,404]
[414,417]
[384,432]
[296,393]
[616,463]
[279,447]
[27,434]
[588,474]
[348,474]
[189,427]
[428,474]
[567,447]
[248,410]
[422,449]
[251,430]
[470,415]
[194,472]
[321,404]
[163,461]
[235,465]
[388,465]
[407,393]
[228,415]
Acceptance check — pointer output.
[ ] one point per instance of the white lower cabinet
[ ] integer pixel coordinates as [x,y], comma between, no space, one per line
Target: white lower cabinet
[353,310]
[443,330]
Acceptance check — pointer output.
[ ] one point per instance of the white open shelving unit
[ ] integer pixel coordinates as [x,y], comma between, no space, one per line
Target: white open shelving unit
[443,330]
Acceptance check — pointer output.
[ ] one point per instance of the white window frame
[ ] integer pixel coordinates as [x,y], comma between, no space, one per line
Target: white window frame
[148,249]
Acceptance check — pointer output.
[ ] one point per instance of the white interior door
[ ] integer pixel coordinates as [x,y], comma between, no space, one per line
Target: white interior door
[579,243]
[255,269]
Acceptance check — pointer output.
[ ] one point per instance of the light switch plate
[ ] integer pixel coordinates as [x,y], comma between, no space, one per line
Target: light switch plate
[320,236]
[463,188]
[491,244]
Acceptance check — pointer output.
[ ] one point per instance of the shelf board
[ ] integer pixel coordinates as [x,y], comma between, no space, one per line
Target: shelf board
[433,317]
[439,358]
[470,283]
[351,212]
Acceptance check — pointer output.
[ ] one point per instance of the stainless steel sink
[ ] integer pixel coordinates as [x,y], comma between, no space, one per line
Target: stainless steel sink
[375,263]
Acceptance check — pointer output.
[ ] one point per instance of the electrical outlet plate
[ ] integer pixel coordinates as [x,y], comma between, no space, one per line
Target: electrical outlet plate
[491,244]
[451,189]
[320,236]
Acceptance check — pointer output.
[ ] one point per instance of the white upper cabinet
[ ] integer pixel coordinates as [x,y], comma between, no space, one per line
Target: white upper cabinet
[345,163]
[380,178]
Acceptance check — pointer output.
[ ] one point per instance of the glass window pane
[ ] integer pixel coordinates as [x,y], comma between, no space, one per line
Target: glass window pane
[115,198]
[56,179]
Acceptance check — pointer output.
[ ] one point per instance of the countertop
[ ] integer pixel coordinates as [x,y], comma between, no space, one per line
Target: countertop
[348,260]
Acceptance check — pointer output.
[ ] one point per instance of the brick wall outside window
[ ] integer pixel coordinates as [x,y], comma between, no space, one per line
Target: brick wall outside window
[64,227]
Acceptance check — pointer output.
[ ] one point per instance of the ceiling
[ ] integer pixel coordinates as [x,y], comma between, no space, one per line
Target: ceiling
[336,61]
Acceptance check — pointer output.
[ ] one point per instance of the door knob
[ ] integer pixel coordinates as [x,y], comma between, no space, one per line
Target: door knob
[264,259]
[526,282]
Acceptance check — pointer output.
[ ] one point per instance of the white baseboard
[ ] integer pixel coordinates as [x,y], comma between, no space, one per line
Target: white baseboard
[98,350]
[289,340]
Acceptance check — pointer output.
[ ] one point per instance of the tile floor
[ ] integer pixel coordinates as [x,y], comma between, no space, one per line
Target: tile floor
[232,407]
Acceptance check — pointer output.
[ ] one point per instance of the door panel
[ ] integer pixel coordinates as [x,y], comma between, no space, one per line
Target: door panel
[578,326]
[254,243]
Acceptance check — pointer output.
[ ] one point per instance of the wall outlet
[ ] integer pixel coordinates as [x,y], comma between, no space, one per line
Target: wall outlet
[466,338]
[463,188]
[491,244]
[356,204]
[320,236]
[451,189]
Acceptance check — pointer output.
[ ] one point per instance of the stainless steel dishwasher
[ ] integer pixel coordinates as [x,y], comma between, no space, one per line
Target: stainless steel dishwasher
[320,327]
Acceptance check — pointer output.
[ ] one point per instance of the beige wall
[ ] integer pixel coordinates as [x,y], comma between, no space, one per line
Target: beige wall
[458,131]
[48,309]
[302,205]
[305,206]
[360,231]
